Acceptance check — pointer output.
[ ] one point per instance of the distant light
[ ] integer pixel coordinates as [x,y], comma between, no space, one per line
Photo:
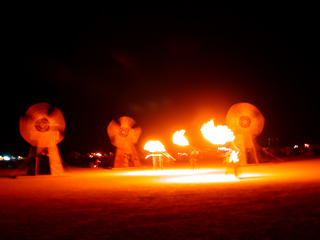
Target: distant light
[306,145]
[98,154]
[295,146]
[6,158]
[183,154]
[224,149]
[1,158]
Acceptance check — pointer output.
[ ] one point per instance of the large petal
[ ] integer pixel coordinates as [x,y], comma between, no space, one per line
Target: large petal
[112,130]
[134,134]
[126,122]
[57,119]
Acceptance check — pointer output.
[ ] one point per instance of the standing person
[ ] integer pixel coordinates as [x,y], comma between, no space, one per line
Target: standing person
[193,159]
[232,160]
[97,161]
[155,161]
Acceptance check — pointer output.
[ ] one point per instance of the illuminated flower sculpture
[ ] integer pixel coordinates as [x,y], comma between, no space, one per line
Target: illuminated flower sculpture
[123,137]
[247,122]
[158,152]
[42,126]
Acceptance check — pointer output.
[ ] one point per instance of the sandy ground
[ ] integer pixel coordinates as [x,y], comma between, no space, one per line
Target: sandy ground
[270,201]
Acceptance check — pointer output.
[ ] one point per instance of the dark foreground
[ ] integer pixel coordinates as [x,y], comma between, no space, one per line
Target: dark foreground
[271,201]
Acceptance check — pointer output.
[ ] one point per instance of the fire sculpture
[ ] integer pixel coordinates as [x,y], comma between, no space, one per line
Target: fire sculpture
[158,152]
[217,135]
[231,160]
[124,137]
[221,135]
[247,122]
[43,128]
[179,139]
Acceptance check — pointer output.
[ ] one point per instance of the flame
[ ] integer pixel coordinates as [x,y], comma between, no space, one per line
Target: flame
[153,155]
[154,146]
[234,156]
[217,135]
[179,138]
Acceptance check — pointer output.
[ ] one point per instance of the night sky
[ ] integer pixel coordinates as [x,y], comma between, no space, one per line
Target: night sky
[167,67]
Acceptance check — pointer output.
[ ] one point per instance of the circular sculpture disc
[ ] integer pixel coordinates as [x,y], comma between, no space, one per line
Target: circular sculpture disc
[123,136]
[245,118]
[123,132]
[42,125]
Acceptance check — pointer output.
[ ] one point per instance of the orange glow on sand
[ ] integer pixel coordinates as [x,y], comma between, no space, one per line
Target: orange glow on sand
[208,178]
[217,135]
[179,138]
[209,175]
[203,178]
[171,172]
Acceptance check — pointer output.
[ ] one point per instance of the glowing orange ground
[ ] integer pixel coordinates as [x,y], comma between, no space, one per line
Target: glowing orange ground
[271,201]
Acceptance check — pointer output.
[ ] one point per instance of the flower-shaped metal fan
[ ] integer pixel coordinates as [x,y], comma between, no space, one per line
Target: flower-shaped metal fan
[123,136]
[245,118]
[42,126]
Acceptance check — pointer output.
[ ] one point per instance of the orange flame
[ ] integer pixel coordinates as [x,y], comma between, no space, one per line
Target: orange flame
[234,156]
[154,146]
[217,135]
[179,138]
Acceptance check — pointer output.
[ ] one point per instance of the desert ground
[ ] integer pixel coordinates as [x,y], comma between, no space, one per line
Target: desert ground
[268,201]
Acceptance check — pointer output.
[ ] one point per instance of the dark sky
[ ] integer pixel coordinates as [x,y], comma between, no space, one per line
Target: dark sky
[167,67]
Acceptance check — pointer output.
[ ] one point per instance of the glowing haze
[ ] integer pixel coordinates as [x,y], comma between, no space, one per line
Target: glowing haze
[154,146]
[179,138]
[217,135]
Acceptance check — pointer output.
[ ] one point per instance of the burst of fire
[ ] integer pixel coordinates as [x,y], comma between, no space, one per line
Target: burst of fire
[179,138]
[234,156]
[217,135]
[154,146]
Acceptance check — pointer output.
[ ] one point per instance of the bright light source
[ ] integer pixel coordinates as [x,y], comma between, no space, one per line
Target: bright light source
[179,138]
[154,146]
[306,145]
[295,146]
[6,158]
[217,135]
